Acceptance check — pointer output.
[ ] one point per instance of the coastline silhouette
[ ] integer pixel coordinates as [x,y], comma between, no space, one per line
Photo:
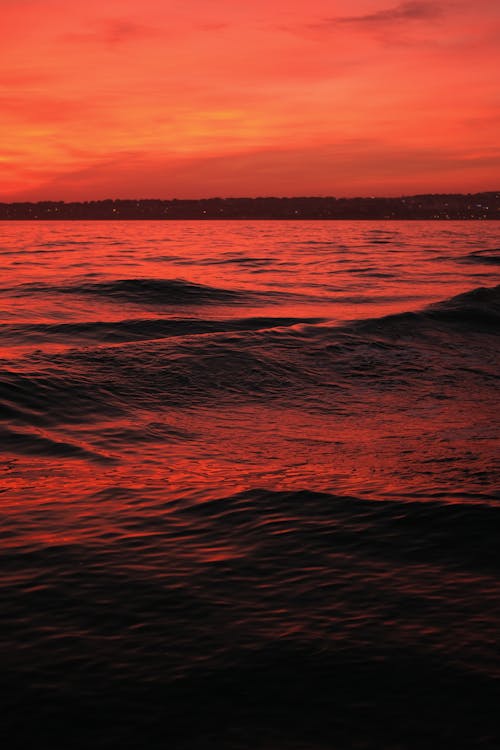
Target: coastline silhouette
[484,205]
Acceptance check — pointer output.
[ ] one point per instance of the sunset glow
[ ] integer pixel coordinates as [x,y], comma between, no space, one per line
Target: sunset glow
[331,97]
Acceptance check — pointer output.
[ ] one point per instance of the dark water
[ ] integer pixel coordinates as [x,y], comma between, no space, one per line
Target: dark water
[250,485]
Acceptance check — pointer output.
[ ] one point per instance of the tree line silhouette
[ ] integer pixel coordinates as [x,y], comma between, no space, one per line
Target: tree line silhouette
[432,206]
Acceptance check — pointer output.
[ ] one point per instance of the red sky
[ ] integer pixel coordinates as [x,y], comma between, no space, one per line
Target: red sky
[200,98]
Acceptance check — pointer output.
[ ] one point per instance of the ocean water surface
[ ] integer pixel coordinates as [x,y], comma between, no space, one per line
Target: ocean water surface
[249,485]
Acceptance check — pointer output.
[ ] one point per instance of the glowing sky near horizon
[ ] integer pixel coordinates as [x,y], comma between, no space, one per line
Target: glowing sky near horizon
[162,99]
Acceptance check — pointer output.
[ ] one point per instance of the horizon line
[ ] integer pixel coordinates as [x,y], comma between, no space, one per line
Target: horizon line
[259,197]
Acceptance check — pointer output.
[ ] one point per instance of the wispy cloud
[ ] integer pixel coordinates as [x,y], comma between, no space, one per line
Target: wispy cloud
[370,166]
[115,31]
[404,12]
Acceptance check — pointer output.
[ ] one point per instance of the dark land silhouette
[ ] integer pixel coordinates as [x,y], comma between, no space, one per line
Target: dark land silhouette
[439,206]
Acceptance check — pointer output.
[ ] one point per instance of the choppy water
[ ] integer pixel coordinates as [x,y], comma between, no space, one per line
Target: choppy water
[250,484]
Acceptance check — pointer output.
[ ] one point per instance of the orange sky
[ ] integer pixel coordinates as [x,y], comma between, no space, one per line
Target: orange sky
[200,98]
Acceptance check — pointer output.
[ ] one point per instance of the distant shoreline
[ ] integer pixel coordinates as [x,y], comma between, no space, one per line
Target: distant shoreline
[445,207]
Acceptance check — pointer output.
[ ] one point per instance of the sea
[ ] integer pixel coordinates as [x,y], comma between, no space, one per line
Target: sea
[249,485]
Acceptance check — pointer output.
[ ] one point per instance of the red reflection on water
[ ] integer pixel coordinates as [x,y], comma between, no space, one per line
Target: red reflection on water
[354,436]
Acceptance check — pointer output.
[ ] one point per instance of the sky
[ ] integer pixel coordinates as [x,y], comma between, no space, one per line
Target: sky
[206,98]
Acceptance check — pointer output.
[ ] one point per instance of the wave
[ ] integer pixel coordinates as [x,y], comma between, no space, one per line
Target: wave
[487,257]
[156,292]
[29,443]
[142,291]
[478,308]
[310,365]
[48,395]
[135,330]
[465,534]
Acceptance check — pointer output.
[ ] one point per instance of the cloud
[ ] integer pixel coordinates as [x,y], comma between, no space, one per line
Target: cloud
[120,30]
[419,10]
[353,167]
[114,31]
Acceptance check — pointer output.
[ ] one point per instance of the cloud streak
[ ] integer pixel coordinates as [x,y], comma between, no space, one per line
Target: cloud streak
[402,13]
[351,167]
[114,31]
